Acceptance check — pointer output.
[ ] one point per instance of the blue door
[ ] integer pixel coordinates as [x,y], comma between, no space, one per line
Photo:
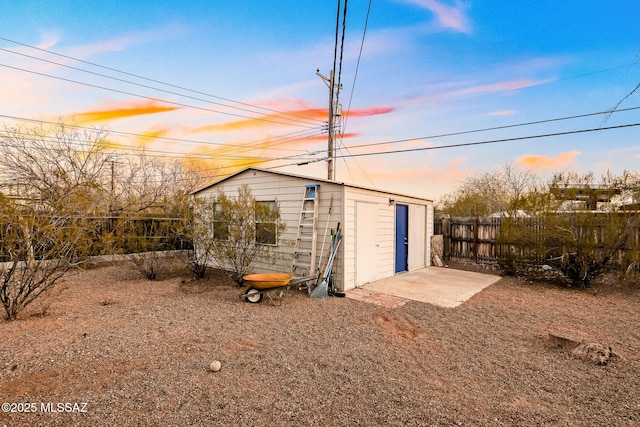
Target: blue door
[402,237]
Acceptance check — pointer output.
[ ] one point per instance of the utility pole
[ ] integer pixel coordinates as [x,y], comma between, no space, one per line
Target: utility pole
[332,113]
[113,179]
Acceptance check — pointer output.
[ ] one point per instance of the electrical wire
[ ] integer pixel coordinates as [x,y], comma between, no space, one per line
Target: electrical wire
[468,144]
[344,30]
[251,163]
[344,119]
[309,121]
[83,143]
[466,132]
[335,46]
[494,141]
[152,87]
[317,131]
[150,79]
[180,104]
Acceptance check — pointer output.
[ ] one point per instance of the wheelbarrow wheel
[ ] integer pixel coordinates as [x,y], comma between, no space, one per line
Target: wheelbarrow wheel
[254,296]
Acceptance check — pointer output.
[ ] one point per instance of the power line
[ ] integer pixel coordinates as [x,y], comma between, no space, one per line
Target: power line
[145,78]
[83,143]
[437,147]
[344,30]
[494,141]
[355,75]
[180,104]
[344,120]
[252,162]
[277,140]
[317,131]
[148,87]
[579,116]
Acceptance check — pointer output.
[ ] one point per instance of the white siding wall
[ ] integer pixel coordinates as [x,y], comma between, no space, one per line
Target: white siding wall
[288,192]
[420,231]
[383,264]
[417,234]
[430,218]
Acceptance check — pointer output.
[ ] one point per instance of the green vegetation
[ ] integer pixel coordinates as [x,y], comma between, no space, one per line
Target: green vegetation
[571,225]
[65,196]
[241,231]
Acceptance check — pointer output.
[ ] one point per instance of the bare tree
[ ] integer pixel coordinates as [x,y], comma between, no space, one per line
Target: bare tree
[156,190]
[205,230]
[60,173]
[498,190]
[37,250]
[65,171]
[61,168]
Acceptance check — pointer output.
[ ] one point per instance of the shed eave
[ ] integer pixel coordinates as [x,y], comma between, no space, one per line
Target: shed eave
[209,186]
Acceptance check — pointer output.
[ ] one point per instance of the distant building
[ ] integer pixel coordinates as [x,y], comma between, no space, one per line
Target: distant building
[585,197]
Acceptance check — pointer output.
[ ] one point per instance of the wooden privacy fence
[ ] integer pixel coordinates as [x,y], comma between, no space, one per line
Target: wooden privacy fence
[476,239]
[469,238]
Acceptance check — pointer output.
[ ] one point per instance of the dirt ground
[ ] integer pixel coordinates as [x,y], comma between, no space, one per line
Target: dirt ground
[110,348]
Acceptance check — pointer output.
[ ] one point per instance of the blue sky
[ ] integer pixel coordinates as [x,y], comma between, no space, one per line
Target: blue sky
[428,68]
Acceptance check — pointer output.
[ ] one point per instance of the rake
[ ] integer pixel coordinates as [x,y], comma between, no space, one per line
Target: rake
[322,290]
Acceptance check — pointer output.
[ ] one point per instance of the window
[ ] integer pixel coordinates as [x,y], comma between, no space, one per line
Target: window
[219,227]
[266,222]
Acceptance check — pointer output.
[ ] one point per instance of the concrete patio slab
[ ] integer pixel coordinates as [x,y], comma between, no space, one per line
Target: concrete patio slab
[443,287]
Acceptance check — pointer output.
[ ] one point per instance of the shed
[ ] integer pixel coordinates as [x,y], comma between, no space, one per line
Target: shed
[384,233]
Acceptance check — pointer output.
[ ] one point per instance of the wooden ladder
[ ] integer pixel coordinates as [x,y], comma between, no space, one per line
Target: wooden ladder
[304,255]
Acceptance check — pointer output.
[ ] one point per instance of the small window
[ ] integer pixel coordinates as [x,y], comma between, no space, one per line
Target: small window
[219,227]
[266,222]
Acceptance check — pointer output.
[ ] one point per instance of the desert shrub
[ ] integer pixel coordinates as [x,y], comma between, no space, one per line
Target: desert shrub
[38,249]
[579,245]
[236,231]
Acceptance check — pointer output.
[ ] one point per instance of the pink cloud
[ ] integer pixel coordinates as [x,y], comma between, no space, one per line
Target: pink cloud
[502,113]
[448,16]
[122,42]
[537,162]
[506,86]
[372,111]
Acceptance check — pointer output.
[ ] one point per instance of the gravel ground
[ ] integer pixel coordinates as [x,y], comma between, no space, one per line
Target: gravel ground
[137,353]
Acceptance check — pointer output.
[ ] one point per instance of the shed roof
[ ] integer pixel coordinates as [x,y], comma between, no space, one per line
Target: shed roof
[306,177]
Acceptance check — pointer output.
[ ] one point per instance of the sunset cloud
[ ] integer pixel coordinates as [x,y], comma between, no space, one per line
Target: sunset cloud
[539,163]
[292,116]
[417,179]
[129,110]
[148,137]
[374,111]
